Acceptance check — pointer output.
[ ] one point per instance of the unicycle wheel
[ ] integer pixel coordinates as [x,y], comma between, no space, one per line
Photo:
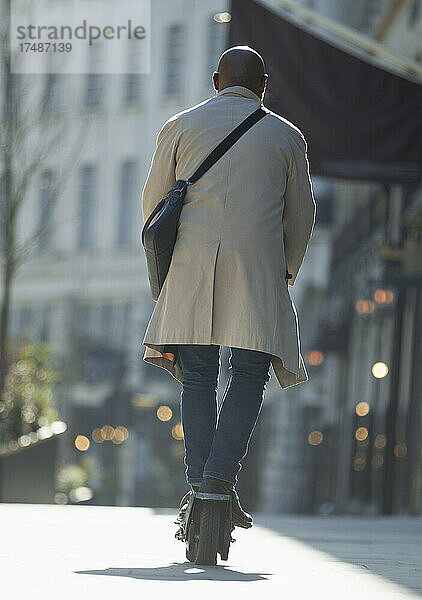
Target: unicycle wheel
[209,533]
[192,542]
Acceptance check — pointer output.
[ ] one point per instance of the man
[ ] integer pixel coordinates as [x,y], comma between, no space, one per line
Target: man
[244,225]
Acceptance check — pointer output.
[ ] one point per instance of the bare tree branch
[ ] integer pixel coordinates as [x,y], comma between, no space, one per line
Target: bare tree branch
[29,136]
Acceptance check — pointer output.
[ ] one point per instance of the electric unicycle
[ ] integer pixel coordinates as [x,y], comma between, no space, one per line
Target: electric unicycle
[206,527]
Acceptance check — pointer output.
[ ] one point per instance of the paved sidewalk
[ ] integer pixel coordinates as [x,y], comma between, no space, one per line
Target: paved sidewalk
[67,552]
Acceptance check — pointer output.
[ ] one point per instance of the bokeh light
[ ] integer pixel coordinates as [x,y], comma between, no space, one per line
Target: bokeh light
[315,358]
[361,433]
[380,441]
[164,413]
[107,431]
[377,461]
[400,450]
[359,462]
[121,429]
[118,436]
[362,409]
[82,443]
[315,438]
[177,431]
[97,436]
[383,296]
[379,370]
[222,17]
[380,296]
[364,307]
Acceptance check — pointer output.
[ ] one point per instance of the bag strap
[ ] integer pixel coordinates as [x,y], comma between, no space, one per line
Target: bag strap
[215,155]
[227,143]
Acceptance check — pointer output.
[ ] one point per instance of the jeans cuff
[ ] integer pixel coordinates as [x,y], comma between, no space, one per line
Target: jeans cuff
[225,478]
[194,481]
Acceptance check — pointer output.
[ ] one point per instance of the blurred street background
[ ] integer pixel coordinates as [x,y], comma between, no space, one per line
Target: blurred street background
[83,420]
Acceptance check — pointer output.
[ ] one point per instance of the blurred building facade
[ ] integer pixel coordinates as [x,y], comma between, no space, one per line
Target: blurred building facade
[84,288]
[350,439]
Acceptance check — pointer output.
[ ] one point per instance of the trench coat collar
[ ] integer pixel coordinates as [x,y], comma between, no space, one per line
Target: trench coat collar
[240,90]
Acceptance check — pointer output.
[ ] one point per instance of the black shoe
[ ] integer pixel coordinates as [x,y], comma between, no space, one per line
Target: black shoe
[240,518]
[184,503]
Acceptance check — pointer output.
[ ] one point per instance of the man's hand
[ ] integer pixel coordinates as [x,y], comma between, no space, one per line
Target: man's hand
[299,206]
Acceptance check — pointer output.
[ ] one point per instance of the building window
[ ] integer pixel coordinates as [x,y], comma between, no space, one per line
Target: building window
[94,90]
[94,80]
[45,324]
[324,193]
[132,83]
[125,324]
[31,323]
[101,340]
[106,320]
[85,320]
[216,42]
[174,60]
[132,88]
[87,201]
[128,195]
[52,93]
[26,322]
[108,324]
[47,201]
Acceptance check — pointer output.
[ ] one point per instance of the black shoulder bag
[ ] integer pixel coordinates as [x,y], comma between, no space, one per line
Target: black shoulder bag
[159,238]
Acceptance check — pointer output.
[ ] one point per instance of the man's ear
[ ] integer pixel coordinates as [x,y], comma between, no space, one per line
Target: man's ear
[215,80]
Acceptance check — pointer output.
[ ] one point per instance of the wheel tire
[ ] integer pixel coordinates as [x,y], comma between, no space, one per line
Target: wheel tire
[225,539]
[191,543]
[209,532]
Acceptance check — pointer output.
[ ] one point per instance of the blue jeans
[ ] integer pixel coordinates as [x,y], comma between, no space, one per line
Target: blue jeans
[215,444]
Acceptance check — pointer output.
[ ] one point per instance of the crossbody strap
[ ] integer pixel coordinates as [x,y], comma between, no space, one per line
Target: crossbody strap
[227,143]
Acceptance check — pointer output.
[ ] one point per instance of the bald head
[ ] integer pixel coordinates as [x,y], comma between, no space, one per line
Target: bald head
[241,65]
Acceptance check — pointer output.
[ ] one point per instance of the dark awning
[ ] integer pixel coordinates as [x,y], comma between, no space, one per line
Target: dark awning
[361,121]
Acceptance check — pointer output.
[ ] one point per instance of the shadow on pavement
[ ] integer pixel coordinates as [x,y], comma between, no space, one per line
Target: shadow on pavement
[180,572]
[390,547]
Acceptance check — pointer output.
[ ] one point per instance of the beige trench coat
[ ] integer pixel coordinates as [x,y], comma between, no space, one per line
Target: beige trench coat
[242,224]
